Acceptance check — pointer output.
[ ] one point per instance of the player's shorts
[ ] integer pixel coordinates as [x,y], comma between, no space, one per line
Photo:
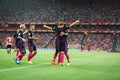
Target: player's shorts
[61,46]
[8,46]
[31,47]
[21,47]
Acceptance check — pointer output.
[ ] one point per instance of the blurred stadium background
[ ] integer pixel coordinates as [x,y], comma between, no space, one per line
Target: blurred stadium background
[98,30]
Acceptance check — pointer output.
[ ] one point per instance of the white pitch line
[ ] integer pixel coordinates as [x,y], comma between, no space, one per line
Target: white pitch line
[18,68]
[4,70]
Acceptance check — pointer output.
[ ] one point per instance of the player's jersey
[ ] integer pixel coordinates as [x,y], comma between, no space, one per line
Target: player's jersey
[66,35]
[20,33]
[16,38]
[58,31]
[31,43]
[9,41]
[30,34]
[21,44]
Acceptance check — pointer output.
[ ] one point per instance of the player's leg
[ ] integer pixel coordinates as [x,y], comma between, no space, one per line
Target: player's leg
[30,47]
[64,48]
[29,57]
[66,54]
[20,50]
[68,58]
[22,53]
[19,58]
[16,50]
[8,49]
[56,53]
[32,54]
[54,58]
[61,57]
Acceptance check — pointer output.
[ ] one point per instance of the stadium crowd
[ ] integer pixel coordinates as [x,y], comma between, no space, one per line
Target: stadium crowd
[99,42]
[89,42]
[55,10]
[118,43]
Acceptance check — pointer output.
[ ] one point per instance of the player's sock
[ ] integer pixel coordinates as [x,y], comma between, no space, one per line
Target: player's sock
[54,57]
[68,58]
[32,55]
[61,57]
[20,56]
[29,56]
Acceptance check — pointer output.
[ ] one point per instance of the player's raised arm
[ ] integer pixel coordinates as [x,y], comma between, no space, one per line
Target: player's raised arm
[74,23]
[47,27]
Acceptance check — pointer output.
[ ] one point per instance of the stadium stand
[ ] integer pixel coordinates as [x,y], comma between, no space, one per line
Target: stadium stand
[99,27]
[35,11]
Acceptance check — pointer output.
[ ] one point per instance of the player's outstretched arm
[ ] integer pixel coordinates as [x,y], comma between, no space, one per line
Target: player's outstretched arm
[63,33]
[74,23]
[34,38]
[25,31]
[47,27]
[22,38]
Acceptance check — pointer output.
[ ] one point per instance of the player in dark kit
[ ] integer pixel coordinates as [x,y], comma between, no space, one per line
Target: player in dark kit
[21,44]
[66,54]
[31,43]
[61,39]
[16,42]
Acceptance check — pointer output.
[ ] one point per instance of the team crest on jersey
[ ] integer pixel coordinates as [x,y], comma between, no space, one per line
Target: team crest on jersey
[19,34]
[29,34]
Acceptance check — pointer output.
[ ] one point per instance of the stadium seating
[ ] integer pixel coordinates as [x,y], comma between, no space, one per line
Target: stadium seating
[35,11]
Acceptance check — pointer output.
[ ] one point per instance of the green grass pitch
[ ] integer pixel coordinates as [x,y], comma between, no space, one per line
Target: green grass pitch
[84,66]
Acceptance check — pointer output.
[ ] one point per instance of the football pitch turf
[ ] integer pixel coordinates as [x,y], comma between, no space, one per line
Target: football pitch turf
[84,66]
